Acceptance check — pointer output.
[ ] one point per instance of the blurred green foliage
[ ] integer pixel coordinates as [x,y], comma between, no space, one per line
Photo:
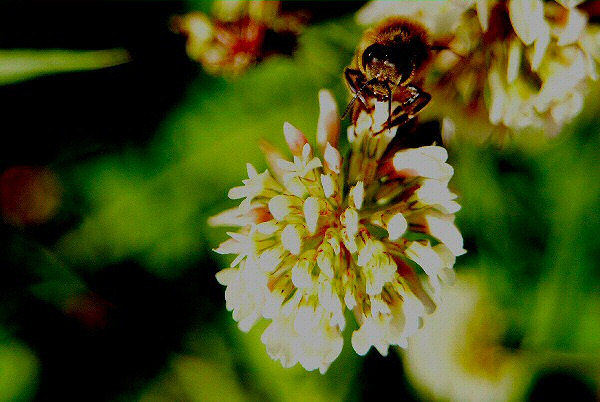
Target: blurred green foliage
[18,370]
[23,64]
[166,193]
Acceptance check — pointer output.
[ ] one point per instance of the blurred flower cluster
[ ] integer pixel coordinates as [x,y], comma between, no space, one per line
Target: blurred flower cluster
[236,35]
[459,355]
[318,237]
[508,66]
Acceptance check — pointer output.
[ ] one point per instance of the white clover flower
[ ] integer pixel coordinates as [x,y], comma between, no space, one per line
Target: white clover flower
[458,355]
[511,65]
[317,236]
[231,38]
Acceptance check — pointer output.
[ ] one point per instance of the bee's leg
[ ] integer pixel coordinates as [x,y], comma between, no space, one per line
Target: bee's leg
[356,82]
[418,100]
[411,107]
[400,118]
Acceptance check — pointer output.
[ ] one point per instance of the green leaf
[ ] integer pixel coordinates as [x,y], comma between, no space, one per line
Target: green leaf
[24,64]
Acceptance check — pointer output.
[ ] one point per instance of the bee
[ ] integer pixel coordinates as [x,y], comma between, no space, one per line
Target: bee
[388,65]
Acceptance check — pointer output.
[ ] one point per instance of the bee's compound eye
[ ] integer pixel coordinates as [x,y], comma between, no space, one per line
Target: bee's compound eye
[374,54]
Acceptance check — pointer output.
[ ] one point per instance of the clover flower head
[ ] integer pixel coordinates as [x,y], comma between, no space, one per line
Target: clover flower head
[510,64]
[459,354]
[318,236]
[232,38]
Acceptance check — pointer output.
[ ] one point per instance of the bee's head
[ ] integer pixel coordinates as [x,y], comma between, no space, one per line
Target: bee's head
[388,63]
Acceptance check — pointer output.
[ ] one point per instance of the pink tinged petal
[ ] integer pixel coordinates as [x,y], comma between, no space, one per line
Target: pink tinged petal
[328,127]
[272,155]
[333,159]
[444,229]
[294,138]
[311,213]
[574,28]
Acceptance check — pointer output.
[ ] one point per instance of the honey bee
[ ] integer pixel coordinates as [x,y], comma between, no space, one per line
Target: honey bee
[389,65]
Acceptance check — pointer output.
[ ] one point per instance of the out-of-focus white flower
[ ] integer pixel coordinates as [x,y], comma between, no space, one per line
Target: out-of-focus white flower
[458,354]
[511,66]
[316,239]
[231,39]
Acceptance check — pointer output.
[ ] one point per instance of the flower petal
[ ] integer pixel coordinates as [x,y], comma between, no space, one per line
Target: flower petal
[328,127]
